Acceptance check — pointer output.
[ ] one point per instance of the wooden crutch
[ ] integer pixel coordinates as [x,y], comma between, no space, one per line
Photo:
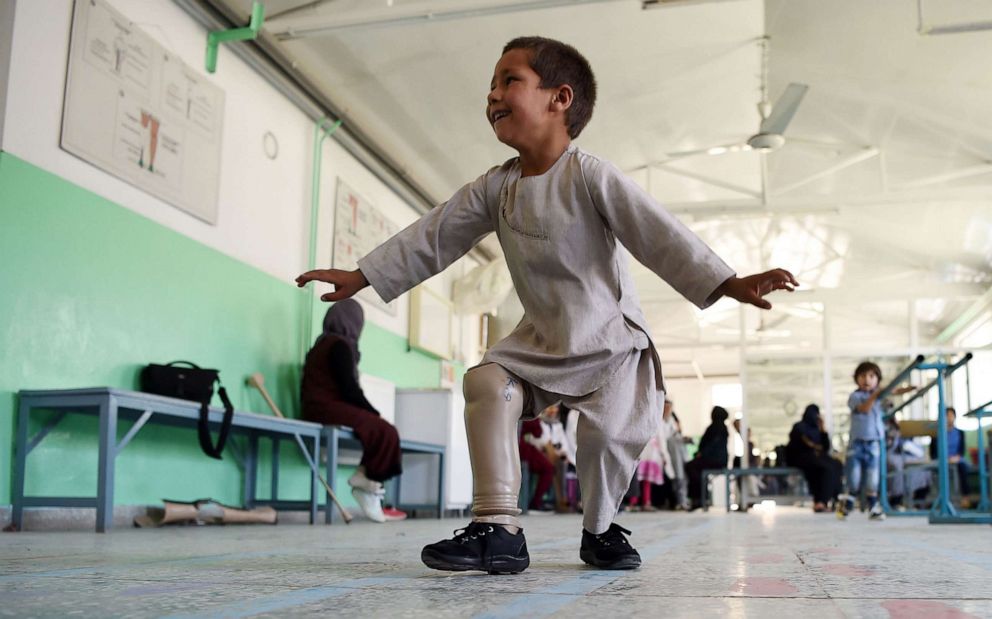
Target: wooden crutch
[257,381]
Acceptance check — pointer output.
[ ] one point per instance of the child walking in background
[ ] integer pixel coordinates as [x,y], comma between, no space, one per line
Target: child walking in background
[867,431]
[654,466]
[560,215]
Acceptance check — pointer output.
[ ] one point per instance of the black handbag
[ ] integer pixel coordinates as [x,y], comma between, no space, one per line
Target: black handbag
[196,384]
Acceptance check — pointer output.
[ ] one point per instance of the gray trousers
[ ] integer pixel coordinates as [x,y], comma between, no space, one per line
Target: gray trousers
[615,423]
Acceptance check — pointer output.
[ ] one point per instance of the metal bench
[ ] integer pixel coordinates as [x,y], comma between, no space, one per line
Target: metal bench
[334,437]
[113,405]
[732,474]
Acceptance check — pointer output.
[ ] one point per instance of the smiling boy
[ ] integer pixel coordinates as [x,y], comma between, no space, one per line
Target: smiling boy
[560,215]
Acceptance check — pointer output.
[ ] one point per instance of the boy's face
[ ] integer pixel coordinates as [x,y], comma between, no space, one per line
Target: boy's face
[867,381]
[518,109]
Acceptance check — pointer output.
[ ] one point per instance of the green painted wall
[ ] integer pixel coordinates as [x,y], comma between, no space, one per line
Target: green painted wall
[92,291]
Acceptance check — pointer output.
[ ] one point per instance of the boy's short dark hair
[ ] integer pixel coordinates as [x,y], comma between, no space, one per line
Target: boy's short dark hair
[558,63]
[867,366]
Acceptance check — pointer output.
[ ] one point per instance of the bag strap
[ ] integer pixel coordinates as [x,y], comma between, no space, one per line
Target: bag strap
[203,427]
[189,363]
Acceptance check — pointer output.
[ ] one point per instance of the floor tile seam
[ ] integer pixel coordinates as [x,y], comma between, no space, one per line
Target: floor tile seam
[426,575]
[118,566]
[817,575]
[579,585]
[981,561]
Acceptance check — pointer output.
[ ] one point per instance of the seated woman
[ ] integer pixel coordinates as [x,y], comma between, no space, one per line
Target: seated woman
[712,454]
[809,450]
[532,451]
[332,395]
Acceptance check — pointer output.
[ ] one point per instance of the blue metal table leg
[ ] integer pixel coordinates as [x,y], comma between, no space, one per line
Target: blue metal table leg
[332,468]
[440,486]
[107,459]
[983,474]
[251,470]
[20,463]
[314,492]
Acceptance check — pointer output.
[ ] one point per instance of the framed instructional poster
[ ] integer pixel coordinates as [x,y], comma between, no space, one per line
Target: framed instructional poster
[358,229]
[135,110]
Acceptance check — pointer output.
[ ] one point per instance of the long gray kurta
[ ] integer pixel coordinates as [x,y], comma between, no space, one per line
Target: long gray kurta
[559,232]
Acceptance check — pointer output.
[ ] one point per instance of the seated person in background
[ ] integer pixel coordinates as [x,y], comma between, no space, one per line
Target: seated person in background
[899,452]
[332,395]
[955,452]
[654,465]
[678,454]
[554,443]
[809,449]
[712,454]
[532,440]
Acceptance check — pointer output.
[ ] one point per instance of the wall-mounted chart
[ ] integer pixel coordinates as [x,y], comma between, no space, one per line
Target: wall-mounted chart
[359,228]
[135,110]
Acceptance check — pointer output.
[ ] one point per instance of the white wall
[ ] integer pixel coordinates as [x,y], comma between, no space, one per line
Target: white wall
[264,205]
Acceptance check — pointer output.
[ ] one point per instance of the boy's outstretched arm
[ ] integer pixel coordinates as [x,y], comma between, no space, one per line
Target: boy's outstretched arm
[346,283]
[753,288]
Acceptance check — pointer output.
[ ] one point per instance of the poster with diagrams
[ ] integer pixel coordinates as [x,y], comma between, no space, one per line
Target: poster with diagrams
[359,228]
[135,110]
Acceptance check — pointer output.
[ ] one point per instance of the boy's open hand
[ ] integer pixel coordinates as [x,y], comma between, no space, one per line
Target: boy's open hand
[346,283]
[752,288]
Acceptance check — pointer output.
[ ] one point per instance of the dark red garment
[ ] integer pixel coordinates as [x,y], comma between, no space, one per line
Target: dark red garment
[537,463]
[331,395]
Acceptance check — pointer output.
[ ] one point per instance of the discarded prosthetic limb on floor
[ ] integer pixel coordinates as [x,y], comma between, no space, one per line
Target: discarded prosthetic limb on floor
[204,511]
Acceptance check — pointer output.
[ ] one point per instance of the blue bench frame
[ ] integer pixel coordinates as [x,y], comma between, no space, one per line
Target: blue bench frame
[113,405]
[333,437]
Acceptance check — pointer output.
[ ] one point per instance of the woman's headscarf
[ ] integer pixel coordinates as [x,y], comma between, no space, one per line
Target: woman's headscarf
[345,320]
[809,426]
[719,415]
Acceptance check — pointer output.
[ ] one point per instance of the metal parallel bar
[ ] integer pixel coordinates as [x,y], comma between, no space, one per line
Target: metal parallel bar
[947,371]
[980,409]
[901,376]
[42,433]
[916,396]
[140,423]
[105,467]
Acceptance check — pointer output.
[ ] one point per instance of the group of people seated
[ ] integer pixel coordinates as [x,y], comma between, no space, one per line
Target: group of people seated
[665,476]
[547,449]
[910,469]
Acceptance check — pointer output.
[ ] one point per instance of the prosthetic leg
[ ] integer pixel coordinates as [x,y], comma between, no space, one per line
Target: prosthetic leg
[493,541]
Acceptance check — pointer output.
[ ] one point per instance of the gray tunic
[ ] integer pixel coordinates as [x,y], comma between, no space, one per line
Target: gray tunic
[560,232]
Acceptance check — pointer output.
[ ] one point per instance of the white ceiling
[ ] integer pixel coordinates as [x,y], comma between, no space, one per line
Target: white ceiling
[898,208]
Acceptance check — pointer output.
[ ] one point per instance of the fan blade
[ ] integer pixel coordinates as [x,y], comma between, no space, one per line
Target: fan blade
[713,150]
[785,108]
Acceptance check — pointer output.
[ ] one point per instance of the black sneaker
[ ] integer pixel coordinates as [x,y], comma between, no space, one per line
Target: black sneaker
[479,546]
[609,550]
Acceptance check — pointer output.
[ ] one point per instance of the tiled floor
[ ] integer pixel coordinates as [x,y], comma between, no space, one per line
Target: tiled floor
[780,564]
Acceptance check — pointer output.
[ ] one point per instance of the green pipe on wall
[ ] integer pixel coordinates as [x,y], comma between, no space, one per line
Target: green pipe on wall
[215,38]
[321,131]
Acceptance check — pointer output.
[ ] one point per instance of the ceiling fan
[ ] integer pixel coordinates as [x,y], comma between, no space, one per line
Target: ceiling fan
[770,136]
